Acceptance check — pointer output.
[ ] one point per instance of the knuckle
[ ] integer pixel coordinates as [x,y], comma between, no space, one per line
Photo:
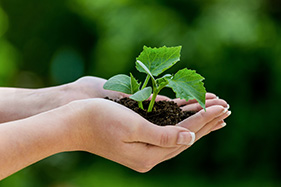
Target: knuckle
[198,107]
[202,114]
[164,139]
[221,109]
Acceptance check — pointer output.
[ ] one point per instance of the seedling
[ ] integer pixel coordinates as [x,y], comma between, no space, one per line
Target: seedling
[187,84]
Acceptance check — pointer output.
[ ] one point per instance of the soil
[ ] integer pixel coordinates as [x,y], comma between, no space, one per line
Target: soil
[164,112]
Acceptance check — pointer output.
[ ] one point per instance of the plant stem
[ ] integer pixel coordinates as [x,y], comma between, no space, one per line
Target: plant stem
[143,86]
[145,82]
[140,105]
[155,93]
[152,101]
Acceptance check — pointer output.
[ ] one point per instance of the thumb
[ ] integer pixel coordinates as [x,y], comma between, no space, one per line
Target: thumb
[165,136]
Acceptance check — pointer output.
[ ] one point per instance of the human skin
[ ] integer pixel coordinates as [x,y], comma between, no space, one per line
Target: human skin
[71,121]
[103,128]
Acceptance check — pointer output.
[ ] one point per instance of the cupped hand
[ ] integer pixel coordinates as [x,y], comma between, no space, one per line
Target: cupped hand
[117,133]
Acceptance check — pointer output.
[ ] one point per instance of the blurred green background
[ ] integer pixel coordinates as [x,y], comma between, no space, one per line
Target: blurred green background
[234,44]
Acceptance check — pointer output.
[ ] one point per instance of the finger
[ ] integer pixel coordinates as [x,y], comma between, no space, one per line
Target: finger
[209,102]
[181,102]
[220,125]
[195,122]
[167,136]
[160,98]
[211,125]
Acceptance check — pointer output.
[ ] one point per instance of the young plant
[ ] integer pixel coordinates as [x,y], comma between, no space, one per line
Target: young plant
[187,84]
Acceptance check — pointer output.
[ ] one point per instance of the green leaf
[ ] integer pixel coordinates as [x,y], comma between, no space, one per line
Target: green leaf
[163,81]
[157,60]
[120,83]
[142,95]
[135,86]
[146,70]
[187,84]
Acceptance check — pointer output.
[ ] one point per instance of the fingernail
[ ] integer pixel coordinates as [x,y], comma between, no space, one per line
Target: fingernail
[223,124]
[227,107]
[184,138]
[228,113]
[224,110]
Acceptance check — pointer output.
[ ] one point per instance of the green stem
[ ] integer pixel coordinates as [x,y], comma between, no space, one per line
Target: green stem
[152,101]
[155,93]
[145,82]
[143,86]
[140,105]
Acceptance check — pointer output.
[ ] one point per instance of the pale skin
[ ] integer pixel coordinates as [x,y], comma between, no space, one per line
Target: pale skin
[38,123]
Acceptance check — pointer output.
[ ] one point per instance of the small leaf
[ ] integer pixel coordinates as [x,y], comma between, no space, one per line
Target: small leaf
[157,60]
[135,86]
[142,94]
[120,83]
[146,70]
[187,84]
[163,80]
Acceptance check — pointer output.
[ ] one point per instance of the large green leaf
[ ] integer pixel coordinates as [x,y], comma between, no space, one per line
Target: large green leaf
[187,84]
[142,95]
[120,83]
[157,60]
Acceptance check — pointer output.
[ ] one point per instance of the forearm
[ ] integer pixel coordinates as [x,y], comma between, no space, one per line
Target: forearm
[27,141]
[18,103]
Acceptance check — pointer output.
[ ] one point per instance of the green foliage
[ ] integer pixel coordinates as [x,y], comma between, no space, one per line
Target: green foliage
[134,84]
[187,84]
[121,83]
[157,60]
[142,94]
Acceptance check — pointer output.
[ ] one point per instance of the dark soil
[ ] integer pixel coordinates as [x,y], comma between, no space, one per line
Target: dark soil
[164,112]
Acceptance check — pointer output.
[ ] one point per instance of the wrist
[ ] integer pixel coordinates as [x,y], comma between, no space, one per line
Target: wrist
[74,120]
[63,127]
[54,97]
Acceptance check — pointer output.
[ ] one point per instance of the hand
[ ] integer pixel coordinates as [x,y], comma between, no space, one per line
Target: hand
[92,87]
[117,133]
